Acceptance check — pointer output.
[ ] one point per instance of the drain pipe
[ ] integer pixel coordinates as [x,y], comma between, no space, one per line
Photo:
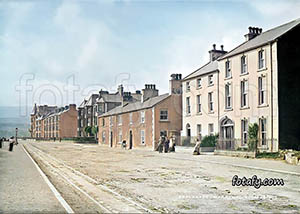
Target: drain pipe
[272,126]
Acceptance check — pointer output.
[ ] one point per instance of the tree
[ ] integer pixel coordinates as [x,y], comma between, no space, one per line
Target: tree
[88,130]
[253,137]
[95,131]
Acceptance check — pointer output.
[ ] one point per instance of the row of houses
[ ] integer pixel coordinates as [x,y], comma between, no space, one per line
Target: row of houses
[256,82]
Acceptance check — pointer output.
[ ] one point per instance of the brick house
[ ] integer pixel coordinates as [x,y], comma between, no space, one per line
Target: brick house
[53,122]
[141,123]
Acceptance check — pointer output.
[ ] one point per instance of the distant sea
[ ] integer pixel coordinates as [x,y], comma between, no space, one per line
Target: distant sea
[12,117]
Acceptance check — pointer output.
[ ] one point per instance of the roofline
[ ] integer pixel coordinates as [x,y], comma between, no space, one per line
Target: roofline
[103,115]
[200,75]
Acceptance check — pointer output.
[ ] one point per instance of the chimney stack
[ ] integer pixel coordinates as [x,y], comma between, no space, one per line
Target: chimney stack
[215,54]
[175,84]
[148,92]
[253,32]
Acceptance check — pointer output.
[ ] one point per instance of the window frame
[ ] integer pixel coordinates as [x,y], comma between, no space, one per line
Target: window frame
[188,86]
[198,99]
[143,116]
[143,137]
[263,131]
[262,90]
[210,102]
[244,93]
[199,85]
[210,80]
[244,66]
[228,73]
[228,96]
[160,115]
[244,132]
[261,59]
[188,105]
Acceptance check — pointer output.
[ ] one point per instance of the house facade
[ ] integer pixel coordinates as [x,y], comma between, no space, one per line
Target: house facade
[54,122]
[257,82]
[142,123]
[97,104]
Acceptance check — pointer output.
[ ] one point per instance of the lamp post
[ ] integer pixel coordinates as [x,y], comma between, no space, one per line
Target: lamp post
[16,135]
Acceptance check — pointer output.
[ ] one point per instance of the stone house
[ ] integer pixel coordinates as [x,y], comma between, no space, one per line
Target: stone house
[142,123]
[257,82]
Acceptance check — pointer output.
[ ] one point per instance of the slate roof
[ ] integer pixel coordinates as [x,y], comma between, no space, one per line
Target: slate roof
[263,38]
[205,69]
[136,105]
[111,98]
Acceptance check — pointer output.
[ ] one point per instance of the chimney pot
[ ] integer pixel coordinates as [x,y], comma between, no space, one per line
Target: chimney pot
[222,47]
[214,46]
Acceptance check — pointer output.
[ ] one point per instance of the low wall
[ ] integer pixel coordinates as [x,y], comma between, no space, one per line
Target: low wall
[291,159]
[235,153]
[207,149]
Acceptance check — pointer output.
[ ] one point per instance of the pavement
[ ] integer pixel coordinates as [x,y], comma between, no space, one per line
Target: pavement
[23,189]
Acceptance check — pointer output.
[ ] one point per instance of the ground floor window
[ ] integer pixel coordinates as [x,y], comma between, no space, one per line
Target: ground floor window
[211,129]
[263,130]
[103,137]
[143,137]
[244,124]
[188,130]
[199,131]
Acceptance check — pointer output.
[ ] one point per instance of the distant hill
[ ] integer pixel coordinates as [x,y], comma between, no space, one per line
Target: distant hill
[12,117]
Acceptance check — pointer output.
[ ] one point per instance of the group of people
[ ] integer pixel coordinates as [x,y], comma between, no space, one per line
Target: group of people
[166,144]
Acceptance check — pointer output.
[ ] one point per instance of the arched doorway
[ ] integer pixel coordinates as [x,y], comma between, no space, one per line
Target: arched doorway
[188,130]
[130,139]
[227,133]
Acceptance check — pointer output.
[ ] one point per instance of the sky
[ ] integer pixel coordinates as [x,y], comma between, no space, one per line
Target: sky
[58,52]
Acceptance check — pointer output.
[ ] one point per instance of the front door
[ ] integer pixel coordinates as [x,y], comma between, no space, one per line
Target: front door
[130,139]
[111,139]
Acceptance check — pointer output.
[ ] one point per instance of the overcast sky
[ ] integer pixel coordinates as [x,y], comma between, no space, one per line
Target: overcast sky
[65,50]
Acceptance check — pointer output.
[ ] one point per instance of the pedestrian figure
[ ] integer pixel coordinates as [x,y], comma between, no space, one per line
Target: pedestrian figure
[11,144]
[172,144]
[166,145]
[1,140]
[60,139]
[197,147]
[160,144]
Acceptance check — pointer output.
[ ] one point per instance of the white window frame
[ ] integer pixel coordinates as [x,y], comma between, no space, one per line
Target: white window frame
[263,131]
[199,83]
[244,131]
[163,113]
[199,131]
[143,138]
[188,105]
[210,80]
[244,69]
[261,59]
[228,72]
[119,118]
[244,93]
[110,121]
[198,97]
[210,128]
[130,118]
[188,86]
[143,117]
[210,102]
[228,96]
[262,90]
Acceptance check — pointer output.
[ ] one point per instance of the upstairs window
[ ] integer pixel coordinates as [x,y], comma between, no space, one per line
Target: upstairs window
[164,114]
[188,87]
[210,80]
[261,59]
[119,119]
[142,116]
[227,69]
[243,65]
[244,93]
[210,102]
[262,92]
[130,118]
[198,103]
[228,99]
[188,106]
[199,83]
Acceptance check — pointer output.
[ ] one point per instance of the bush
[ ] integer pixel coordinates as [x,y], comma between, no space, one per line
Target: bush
[253,137]
[209,141]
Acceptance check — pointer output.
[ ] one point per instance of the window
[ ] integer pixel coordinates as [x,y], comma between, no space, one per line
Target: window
[103,137]
[198,103]
[199,83]
[211,129]
[119,118]
[228,102]
[199,131]
[110,121]
[142,116]
[120,135]
[227,69]
[188,106]
[100,109]
[210,102]
[244,93]
[210,80]
[130,118]
[89,121]
[243,65]
[244,132]
[103,122]
[89,110]
[261,59]
[263,130]
[143,137]
[188,87]
[262,82]
[164,114]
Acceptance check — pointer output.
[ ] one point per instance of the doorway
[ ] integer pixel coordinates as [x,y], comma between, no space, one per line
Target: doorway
[227,133]
[111,139]
[130,139]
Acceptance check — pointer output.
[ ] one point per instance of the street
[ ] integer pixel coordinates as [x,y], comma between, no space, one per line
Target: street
[22,187]
[96,178]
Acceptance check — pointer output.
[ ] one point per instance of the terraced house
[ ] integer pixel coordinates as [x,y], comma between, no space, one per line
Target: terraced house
[142,123]
[257,82]
[51,122]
